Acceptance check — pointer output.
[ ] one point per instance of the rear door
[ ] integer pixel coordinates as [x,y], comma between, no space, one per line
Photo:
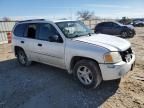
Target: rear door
[19,38]
[30,34]
[99,28]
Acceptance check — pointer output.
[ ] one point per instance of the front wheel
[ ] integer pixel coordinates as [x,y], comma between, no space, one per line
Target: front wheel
[141,25]
[124,34]
[87,73]
[132,35]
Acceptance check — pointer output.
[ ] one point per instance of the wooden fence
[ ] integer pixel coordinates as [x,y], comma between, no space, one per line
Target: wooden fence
[5,27]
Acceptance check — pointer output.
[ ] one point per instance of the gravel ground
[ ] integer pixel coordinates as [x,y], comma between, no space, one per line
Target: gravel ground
[130,93]
[43,86]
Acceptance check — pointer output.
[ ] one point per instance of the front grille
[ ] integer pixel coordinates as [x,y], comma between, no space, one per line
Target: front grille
[125,53]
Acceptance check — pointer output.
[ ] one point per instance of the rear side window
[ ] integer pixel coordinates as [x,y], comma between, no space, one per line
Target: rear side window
[20,30]
[31,31]
[109,24]
[101,25]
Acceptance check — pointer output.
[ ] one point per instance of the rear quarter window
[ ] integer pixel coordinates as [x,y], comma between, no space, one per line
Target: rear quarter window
[20,30]
[100,25]
[108,24]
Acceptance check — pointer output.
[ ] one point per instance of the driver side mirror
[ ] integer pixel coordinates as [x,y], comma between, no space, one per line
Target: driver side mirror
[55,38]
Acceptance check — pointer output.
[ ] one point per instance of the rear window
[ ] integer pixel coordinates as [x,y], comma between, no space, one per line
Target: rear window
[101,25]
[20,30]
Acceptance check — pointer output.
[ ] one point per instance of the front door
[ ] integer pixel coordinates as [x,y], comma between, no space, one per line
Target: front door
[50,51]
[116,29]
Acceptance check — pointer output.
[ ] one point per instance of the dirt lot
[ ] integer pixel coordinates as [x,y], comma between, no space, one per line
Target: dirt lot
[42,86]
[130,93]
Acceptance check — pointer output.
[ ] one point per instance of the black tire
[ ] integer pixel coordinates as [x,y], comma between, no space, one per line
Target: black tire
[124,34]
[25,61]
[94,73]
[142,25]
[132,35]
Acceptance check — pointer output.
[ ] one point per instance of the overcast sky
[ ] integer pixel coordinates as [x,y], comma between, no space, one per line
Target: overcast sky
[69,8]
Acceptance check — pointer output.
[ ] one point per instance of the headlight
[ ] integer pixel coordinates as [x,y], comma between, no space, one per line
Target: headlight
[112,57]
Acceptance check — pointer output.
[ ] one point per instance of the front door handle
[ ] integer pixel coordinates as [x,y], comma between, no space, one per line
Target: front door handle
[22,41]
[40,45]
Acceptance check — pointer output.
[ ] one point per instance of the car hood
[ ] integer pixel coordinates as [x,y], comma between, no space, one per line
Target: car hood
[107,41]
[130,26]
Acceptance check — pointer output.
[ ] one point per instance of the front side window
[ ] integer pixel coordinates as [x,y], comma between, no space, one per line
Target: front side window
[116,25]
[46,31]
[73,29]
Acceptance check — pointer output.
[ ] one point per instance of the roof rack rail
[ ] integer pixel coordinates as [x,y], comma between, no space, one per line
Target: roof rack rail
[32,20]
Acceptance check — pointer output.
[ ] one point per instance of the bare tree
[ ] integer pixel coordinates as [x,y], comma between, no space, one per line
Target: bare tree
[125,20]
[85,15]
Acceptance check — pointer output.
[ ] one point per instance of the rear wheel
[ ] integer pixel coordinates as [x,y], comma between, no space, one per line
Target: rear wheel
[22,58]
[87,73]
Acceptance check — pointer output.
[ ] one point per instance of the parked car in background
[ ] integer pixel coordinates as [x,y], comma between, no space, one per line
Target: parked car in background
[138,23]
[70,45]
[115,28]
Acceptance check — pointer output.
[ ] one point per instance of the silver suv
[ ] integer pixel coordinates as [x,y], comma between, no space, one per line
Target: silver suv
[72,46]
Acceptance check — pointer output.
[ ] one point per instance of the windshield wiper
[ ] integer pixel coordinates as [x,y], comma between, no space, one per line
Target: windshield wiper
[89,34]
[75,36]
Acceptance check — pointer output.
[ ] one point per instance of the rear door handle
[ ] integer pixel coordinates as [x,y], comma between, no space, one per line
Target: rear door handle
[40,45]
[22,41]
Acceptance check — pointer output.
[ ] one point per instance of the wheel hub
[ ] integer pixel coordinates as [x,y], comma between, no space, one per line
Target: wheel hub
[22,58]
[84,75]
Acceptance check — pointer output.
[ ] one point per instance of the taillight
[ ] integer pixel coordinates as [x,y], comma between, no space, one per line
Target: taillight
[9,37]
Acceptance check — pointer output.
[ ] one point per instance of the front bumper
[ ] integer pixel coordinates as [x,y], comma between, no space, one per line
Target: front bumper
[116,71]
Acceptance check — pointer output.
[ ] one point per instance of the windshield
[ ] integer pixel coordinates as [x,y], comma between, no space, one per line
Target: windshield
[72,29]
[119,23]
